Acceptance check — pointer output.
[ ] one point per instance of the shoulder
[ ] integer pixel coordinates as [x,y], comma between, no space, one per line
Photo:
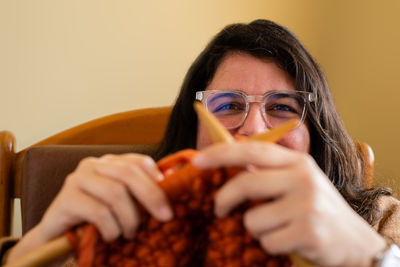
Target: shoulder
[389,223]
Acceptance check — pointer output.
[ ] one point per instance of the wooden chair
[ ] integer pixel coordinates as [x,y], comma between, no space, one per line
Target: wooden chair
[38,171]
[142,126]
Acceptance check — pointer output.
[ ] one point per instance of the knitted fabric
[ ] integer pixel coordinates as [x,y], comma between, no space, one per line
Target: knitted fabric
[194,237]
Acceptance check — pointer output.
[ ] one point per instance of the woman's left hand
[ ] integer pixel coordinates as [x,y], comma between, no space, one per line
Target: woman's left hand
[308,216]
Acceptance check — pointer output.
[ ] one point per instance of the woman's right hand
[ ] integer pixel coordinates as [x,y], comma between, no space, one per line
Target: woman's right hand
[100,191]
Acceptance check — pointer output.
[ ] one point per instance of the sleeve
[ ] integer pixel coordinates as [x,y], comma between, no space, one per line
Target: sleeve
[389,224]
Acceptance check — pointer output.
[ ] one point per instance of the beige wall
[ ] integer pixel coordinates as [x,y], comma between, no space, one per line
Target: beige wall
[66,62]
[359,48]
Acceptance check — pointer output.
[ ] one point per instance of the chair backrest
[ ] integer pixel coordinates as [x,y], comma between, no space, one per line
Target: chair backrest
[136,127]
[45,168]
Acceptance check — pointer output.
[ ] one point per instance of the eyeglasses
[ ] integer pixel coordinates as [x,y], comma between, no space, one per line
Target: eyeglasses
[232,106]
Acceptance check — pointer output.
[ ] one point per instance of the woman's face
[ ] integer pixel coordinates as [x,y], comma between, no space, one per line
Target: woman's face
[254,76]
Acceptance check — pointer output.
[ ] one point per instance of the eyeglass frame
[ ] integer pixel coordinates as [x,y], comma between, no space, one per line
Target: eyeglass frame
[307,98]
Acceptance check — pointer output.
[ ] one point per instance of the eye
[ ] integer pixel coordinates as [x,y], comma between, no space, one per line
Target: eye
[283,111]
[282,108]
[228,107]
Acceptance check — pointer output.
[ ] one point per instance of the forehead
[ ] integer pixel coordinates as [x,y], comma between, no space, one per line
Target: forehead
[241,71]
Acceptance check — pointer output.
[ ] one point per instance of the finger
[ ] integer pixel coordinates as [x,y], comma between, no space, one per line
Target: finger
[116,196]
[281,240]
[71,211]
[269,216]
[265,184]
[145,190]
[244,153]
[147,164]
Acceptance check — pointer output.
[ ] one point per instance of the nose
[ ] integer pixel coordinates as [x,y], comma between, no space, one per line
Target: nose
[254,122]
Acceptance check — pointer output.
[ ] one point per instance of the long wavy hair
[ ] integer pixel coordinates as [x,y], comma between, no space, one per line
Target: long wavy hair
[331,146]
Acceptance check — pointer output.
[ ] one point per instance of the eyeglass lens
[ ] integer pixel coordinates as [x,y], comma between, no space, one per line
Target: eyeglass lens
[230,108]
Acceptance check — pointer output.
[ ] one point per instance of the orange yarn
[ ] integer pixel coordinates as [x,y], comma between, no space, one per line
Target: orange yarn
[194,237]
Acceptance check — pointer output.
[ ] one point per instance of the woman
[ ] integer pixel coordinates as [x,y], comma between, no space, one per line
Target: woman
[252,77]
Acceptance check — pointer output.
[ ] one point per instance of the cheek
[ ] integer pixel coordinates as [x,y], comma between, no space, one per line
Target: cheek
[298,140]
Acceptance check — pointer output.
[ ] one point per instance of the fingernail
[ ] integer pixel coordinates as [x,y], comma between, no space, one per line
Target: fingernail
[165,213]
[198,161]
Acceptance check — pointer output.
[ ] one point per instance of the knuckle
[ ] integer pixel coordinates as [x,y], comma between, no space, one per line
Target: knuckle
[304,159]
[307,181]
[147,160]
[140,160]
[89,161]
[86,160]
[71,180]
[108,156]
[101,214]
[305,171]
[136,157]
[131,156]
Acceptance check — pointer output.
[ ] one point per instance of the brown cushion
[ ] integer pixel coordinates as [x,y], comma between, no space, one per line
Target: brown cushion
[45,168]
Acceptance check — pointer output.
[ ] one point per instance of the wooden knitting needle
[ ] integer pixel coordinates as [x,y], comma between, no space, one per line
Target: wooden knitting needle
[218,133]
[275,134]
[43,254]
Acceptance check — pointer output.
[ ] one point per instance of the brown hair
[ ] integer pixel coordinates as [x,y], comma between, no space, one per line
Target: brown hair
[331,146]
